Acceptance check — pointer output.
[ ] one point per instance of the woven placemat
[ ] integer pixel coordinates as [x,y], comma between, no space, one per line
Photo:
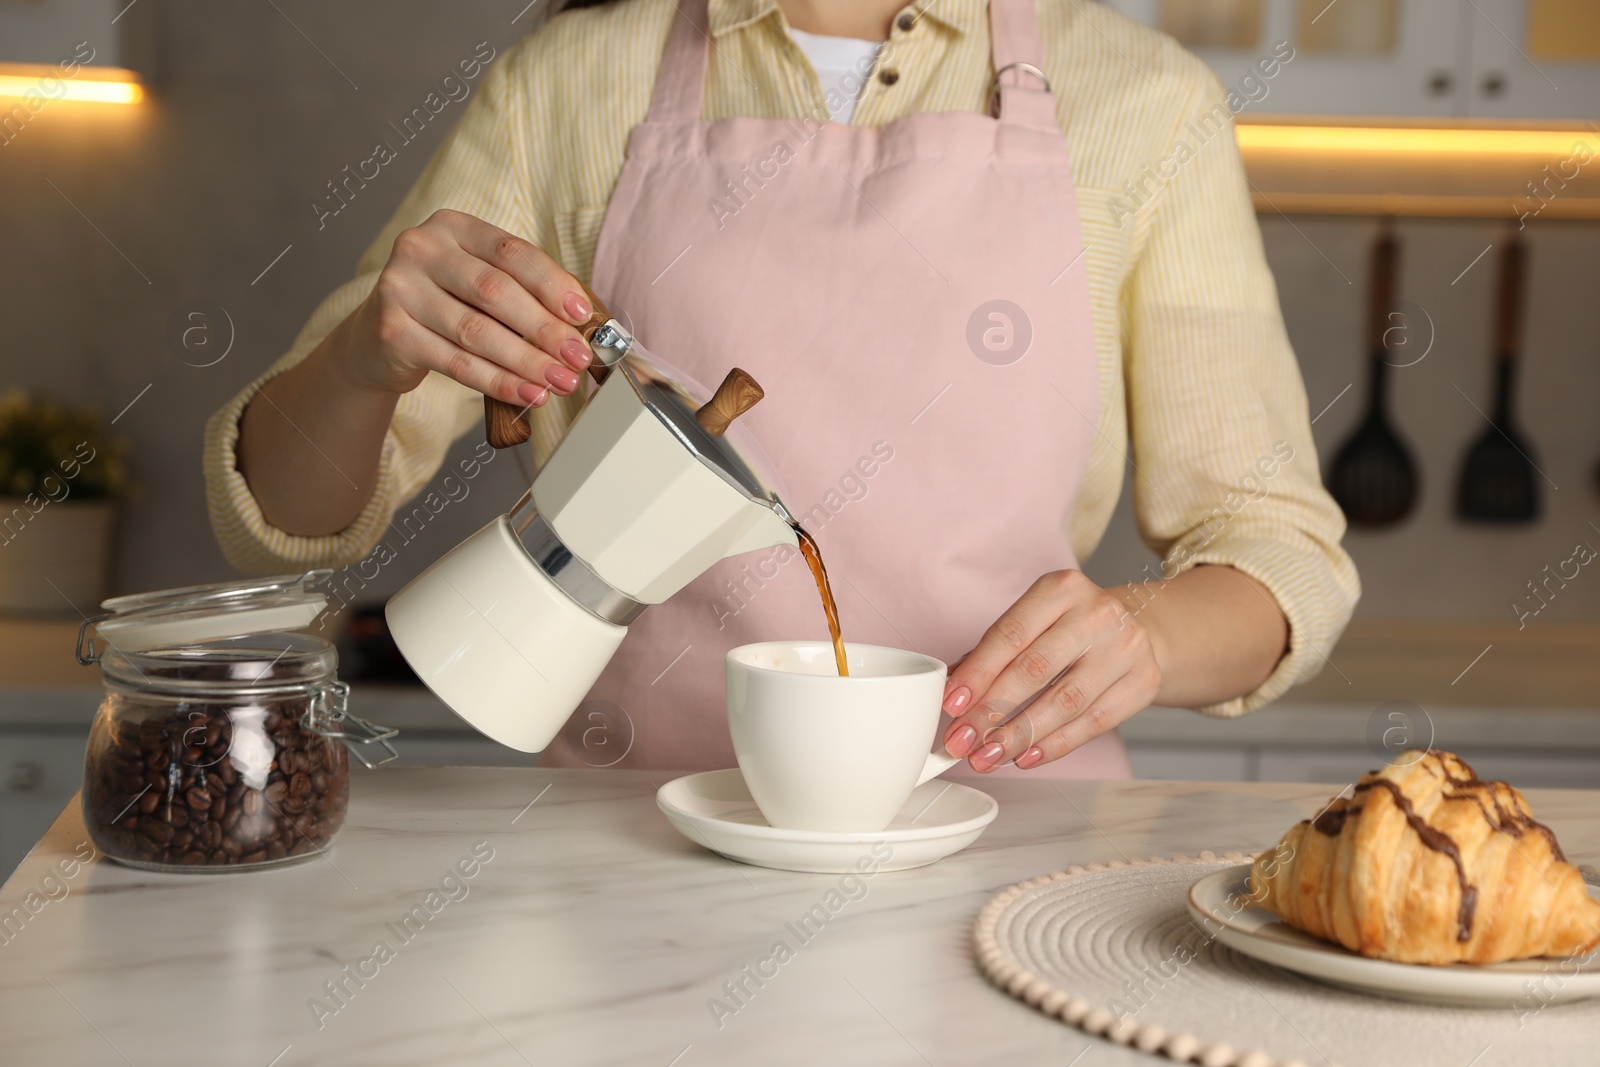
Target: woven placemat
[1111,949]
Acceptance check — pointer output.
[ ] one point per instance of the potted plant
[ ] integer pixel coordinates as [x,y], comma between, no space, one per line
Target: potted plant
[60,476]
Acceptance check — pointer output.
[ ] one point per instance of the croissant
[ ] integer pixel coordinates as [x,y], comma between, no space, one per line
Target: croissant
[1424,863]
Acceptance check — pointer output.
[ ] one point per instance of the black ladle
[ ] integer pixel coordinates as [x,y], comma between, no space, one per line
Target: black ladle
[1499,482]
[1373,476]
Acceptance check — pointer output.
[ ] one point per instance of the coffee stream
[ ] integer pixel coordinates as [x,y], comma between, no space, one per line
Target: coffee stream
[813,555]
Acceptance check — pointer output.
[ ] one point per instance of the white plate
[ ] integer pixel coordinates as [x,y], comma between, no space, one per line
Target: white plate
[714,809]
[1259,933]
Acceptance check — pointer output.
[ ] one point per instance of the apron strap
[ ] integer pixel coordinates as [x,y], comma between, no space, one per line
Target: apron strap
[681,79]
[1021,95]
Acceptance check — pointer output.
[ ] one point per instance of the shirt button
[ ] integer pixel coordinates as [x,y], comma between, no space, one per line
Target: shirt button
[906,21]
[889,77]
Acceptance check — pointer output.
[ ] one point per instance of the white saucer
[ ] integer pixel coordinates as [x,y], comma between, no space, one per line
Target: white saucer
[713,809]
[1254,931]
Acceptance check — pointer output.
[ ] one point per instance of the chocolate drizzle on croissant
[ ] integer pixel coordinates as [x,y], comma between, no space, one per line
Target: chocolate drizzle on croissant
[1439,841]
[1506,822]
[1331,821]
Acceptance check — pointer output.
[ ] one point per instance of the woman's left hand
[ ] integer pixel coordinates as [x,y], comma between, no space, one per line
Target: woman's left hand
[1063,621]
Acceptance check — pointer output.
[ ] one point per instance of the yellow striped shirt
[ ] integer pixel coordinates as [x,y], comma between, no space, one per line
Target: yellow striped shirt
[1195,369]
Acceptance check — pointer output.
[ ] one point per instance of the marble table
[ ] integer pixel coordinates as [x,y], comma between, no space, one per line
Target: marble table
[588,933]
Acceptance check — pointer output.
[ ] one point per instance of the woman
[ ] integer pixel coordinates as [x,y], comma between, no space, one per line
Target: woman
[957,318]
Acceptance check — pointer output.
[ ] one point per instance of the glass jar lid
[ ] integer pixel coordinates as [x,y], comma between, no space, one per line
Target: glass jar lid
[177,618]
[233,665]
[233,639]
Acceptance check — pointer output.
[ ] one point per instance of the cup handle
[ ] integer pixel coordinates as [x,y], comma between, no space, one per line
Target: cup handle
[938,763]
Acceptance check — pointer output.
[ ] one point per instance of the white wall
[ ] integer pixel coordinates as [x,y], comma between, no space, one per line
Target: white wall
[1433,566]
[45,31]
[199,190]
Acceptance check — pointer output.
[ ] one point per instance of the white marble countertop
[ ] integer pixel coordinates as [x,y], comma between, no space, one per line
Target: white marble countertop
[594,934]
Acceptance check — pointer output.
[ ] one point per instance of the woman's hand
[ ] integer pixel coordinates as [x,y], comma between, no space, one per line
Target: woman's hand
[1064,622]
[458,296]
[467,299]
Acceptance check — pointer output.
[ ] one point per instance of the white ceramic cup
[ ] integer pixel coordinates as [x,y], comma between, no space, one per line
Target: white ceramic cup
[824,752]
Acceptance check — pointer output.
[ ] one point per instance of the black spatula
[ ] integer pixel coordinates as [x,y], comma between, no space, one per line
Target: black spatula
[1499,482]
[1374,477]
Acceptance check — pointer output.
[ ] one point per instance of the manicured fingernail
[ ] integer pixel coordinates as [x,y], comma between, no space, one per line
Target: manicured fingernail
[562,379]
[576,353]
[960,698]
[577,309]
[958,741]
[988,756]
[532,395]
[1029,758]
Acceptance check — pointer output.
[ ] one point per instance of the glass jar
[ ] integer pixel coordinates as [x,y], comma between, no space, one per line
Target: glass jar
[223,750]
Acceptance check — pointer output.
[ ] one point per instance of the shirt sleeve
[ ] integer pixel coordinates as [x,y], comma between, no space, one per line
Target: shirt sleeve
[1226,471]
[476,169]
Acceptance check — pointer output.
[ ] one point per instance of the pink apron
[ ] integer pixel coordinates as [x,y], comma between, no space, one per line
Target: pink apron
[913,302]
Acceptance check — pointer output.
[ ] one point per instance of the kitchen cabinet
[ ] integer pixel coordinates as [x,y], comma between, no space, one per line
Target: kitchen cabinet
[1295,742]
[1480,59]
[457,750]
[39,773]
[1523,65]
[1551,770]
[1216,763]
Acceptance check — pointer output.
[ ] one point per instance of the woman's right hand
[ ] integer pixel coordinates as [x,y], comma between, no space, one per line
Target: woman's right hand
[467,299]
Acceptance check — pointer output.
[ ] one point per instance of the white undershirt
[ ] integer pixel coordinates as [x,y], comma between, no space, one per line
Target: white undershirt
[843,65]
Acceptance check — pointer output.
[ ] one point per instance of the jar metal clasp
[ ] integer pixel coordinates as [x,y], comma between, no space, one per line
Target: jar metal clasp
[328,714]
[88,655]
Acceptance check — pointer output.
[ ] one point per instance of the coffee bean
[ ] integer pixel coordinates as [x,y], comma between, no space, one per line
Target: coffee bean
[198,799]
[252,802]
[148,802]
[277,790]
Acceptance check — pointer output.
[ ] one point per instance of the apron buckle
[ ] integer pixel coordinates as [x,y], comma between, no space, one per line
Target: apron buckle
[1026,68]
